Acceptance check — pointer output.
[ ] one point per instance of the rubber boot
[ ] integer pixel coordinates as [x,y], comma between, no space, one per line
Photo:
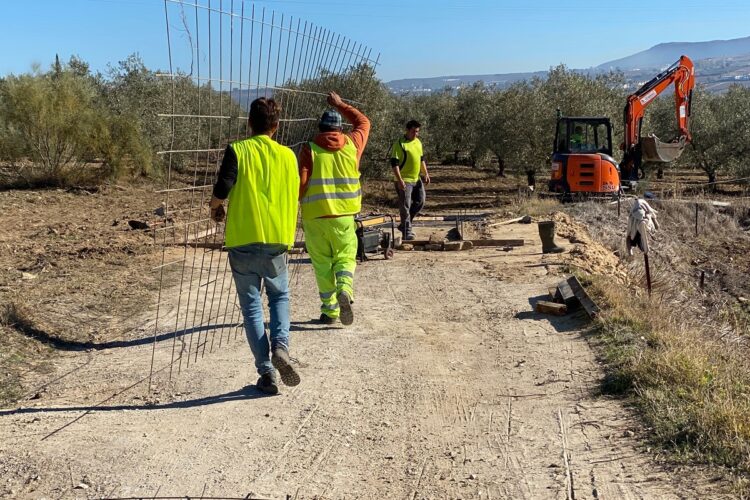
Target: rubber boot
[547,234]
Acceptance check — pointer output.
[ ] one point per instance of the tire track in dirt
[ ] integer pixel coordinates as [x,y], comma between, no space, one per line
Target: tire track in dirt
[446,386]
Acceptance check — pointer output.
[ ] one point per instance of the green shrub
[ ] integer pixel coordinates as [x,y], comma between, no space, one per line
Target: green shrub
[56,129]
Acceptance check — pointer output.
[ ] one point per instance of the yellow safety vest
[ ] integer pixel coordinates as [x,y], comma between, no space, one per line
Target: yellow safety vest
[334,187]
[263,201]
[409,155]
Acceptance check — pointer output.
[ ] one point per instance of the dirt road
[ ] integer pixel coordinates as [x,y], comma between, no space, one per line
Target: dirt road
[446,386]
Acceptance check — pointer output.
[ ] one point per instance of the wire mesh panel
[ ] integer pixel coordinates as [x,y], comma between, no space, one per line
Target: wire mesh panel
[222,55]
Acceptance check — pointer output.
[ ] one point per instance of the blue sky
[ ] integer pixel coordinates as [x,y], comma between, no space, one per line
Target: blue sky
[417,38]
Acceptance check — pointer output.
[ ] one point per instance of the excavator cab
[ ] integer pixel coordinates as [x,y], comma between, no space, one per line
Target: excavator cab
[582,157]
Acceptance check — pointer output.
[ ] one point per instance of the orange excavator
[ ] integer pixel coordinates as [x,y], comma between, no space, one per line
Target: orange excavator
[582,159]
[639,149]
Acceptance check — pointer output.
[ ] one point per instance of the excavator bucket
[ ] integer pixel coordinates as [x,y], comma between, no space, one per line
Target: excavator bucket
[653,150]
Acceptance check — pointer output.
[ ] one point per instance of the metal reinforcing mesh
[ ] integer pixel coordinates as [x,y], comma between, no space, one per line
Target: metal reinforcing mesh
[222,55]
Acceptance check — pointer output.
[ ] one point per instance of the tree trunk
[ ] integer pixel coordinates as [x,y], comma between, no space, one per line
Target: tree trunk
[708,169]
[531,177]
[500,167]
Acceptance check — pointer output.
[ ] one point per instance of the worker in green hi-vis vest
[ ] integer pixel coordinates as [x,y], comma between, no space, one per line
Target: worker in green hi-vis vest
[410,176]
[259,177]
[330,196]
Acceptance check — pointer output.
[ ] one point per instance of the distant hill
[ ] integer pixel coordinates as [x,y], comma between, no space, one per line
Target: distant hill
[664,54]
[719,63]
[440,82]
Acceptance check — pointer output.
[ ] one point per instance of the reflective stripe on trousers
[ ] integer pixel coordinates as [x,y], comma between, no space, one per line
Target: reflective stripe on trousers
[332,245]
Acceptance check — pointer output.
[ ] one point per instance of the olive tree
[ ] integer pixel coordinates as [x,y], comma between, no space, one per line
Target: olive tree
[53,120]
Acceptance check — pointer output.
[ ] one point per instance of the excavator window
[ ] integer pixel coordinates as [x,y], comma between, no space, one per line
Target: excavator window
[586,136]
[562,137]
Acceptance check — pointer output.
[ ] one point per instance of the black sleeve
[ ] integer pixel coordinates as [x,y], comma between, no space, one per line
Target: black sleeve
[394,162]
[227,174]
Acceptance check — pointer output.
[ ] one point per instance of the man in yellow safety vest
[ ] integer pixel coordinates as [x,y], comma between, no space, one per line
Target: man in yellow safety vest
[260,178]
[331,195]
[407,162]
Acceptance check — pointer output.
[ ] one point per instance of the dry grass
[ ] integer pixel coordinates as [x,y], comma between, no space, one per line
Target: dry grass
[683,355]
[16,316]
[71,273]
[19,353]
[692,386]
[453,188]
[533,205]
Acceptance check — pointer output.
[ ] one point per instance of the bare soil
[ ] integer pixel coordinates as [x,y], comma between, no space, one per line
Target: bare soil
[448,385]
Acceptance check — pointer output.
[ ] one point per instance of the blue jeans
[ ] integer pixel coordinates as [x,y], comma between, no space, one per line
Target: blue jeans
[250,264]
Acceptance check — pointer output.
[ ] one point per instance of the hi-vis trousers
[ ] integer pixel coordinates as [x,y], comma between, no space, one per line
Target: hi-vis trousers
[332,245]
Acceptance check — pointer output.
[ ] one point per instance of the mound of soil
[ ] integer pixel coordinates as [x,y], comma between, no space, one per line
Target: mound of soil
[588,254]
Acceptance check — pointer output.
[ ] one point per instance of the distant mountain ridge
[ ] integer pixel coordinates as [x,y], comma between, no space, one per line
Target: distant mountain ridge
[719,63]
[666,53]
[440,82]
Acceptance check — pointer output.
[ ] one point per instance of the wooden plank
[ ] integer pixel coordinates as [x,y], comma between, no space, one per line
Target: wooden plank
[476,243]
[452,218]
[375,221]
[503,223]
[497,243]
[591,308]
[433,223]
[418,243]
[566,295]
[546,307]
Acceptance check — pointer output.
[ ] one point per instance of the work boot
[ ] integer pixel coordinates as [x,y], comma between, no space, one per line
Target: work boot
[410,237]
[326,319]
[267,383]
[282,362]
[547,234]
[345,303]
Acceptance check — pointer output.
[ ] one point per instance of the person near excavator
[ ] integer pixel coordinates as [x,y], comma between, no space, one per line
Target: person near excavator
[331,195]
[259,177]
[407,162]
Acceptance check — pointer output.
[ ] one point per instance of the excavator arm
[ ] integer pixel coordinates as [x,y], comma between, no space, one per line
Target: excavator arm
[638,149]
